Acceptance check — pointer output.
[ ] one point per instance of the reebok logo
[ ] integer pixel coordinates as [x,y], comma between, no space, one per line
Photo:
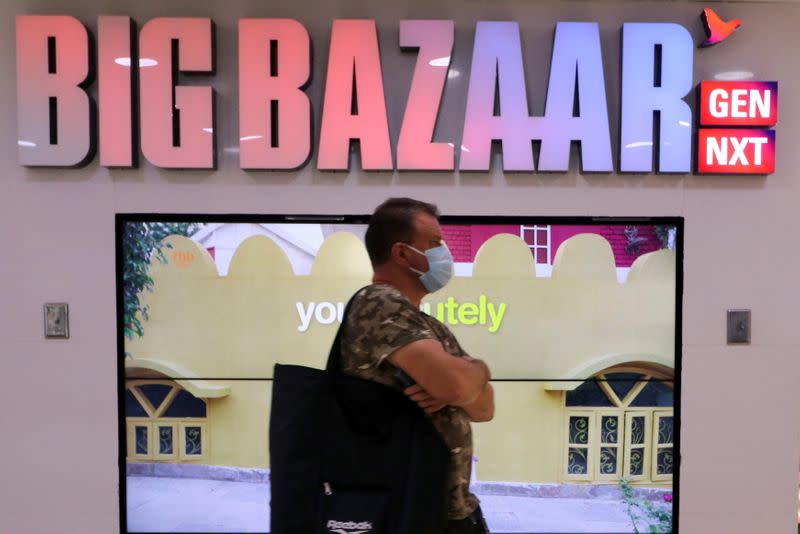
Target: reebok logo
[349,527]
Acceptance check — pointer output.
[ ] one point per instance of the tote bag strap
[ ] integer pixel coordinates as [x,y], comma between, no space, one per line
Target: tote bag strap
[334,365]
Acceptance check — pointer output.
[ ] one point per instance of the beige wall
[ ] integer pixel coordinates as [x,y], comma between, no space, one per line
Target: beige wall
[570,326]
[740,430]
[238,429]
[524,441]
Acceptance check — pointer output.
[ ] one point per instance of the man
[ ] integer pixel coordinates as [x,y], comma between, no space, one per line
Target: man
[385,333]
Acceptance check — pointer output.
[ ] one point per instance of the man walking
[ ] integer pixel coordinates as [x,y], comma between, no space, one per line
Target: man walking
[387,339]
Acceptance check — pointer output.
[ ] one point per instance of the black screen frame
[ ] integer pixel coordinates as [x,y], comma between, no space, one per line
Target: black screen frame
[122,218]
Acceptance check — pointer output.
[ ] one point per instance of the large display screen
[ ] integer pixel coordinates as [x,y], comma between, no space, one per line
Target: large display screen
[578,320]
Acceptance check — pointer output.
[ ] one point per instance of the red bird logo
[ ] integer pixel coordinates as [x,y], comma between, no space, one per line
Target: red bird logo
[717,30]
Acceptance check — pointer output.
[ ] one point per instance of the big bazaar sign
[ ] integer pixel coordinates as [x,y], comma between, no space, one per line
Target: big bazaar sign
[141,101]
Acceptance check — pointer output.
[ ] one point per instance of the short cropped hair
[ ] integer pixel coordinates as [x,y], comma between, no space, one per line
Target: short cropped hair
[392,222]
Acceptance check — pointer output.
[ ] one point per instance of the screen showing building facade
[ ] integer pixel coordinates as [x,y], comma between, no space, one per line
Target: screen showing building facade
[577,320]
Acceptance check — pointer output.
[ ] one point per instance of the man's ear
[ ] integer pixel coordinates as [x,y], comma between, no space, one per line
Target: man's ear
[402,254]
[398,252]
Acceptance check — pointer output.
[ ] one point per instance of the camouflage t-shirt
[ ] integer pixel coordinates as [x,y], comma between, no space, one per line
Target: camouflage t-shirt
[380,321]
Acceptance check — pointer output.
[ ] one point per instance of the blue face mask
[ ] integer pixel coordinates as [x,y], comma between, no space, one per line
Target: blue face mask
[440,267]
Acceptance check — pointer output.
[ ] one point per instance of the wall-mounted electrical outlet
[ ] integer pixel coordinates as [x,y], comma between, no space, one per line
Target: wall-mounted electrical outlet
[738,327]
[56,320]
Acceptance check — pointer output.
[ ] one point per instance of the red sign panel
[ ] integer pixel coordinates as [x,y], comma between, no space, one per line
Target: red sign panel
[735,151]
[738,103]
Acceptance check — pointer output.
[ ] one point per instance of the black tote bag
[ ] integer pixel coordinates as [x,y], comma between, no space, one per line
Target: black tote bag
[351,455]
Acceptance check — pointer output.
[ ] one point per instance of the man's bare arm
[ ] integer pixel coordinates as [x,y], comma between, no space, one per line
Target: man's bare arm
[482,410]
[423,399]
[449,380]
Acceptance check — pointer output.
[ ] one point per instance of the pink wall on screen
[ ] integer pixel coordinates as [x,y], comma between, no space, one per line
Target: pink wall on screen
[615,236]
[465,240]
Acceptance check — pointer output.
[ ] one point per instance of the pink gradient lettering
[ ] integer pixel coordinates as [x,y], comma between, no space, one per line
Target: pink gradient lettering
[115,91]
[176,121]
[282,141]
[53,110]
[354,62]
[496,61]
[415,151]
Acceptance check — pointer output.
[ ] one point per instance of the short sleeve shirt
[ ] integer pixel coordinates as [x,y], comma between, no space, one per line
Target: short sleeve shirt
[382,320]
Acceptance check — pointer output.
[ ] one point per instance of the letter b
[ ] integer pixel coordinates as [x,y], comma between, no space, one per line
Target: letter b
[53,110]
